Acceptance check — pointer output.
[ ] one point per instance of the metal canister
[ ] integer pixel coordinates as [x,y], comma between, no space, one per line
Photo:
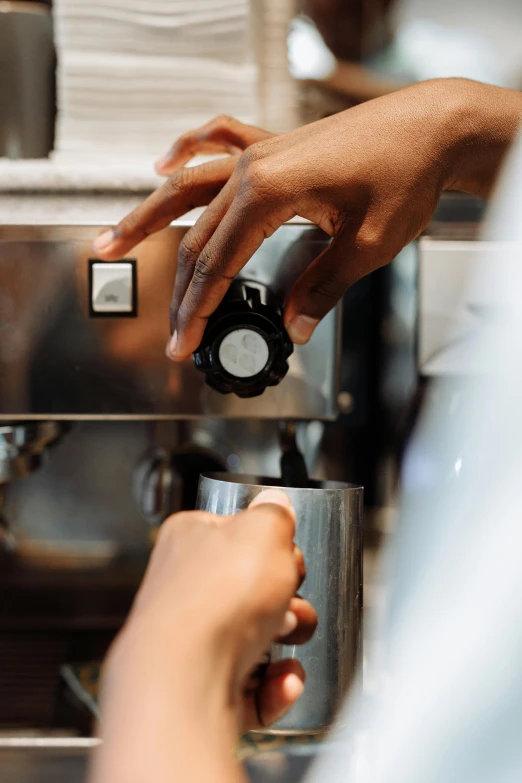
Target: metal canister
[27,86]
[329,533]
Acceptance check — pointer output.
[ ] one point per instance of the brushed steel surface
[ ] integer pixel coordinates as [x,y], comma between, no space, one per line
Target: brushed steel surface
[57,362]
[329,532]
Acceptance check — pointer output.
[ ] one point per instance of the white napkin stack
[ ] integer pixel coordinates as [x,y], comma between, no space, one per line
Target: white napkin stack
[278,94]
[135,74]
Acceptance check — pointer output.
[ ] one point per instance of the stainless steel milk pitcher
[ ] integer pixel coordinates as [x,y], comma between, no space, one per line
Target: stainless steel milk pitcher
[329,533]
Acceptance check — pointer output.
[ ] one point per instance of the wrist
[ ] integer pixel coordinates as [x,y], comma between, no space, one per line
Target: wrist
[184,663]
[165,710]
[481,123]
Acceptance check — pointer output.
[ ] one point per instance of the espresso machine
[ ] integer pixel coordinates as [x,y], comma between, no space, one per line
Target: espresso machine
[101,437]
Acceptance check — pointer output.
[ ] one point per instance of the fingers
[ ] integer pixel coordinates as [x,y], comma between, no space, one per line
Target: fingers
[190,248]
[349,257]
[316,292]
[221,135]
[281,687]
[300,563]
[305,622]
[288,625]
[187,189]
[300,620]
[247,211]
[235,239]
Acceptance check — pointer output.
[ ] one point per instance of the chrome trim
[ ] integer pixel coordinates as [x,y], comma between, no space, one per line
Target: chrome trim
[51,743]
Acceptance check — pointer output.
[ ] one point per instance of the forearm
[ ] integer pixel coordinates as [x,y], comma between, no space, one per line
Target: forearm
[165,718]
[483,122]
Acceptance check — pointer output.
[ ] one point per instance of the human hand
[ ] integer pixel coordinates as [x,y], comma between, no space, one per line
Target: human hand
[187,188]
[227,587]
[371,177]
[222,135]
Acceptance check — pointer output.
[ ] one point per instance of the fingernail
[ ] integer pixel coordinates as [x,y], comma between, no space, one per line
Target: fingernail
[172,345]
[289,624]
[104,240]
[160,163]
[293,687]
[301,328]
[275,496]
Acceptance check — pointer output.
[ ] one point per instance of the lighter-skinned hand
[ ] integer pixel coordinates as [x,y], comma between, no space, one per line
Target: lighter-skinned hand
[229,584]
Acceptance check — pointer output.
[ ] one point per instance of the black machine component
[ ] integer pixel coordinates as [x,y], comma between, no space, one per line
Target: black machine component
[245,347]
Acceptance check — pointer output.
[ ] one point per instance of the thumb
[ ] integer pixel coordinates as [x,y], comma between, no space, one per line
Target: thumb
[284,511]
[323,283]
[275,497]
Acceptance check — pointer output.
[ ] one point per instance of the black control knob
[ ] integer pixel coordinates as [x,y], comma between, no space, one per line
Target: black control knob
[245,346]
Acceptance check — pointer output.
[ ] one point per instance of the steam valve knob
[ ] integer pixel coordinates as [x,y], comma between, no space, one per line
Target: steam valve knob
[245,347]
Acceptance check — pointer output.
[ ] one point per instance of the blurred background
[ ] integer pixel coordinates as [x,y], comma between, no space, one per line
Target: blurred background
[91,94]
[125,78]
